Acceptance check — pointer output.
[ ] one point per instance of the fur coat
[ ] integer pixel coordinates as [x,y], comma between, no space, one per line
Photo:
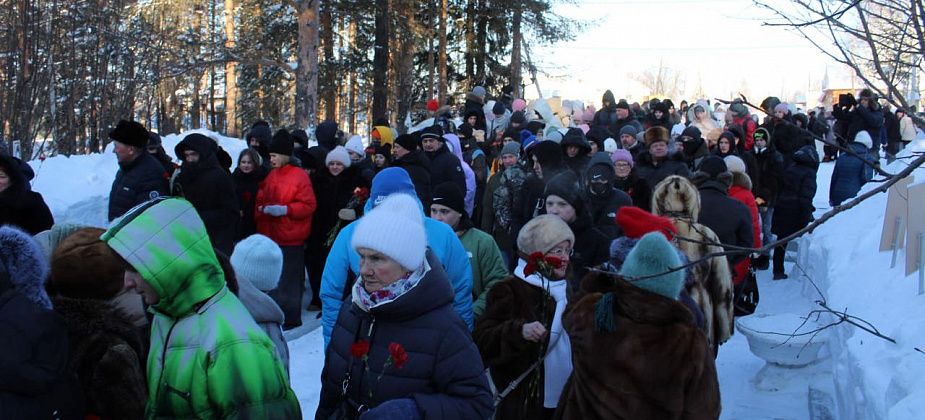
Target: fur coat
[678,199]
[656,364]
[107,353]
[510,304]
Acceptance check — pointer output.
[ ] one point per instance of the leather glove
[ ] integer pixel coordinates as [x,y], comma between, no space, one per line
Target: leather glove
[276,210]
[399,409]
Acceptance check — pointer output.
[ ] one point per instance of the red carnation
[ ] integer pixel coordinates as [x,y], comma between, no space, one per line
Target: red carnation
[398,355]
[433,105]
[359,349]
[555,262]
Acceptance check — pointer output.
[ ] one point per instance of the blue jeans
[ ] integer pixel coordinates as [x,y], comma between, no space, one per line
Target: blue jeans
[766,213]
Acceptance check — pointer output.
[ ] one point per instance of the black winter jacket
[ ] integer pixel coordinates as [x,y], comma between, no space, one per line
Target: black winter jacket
[604,210]
[20,206]
[591,248]
[417,165]
[725,216]
[136,182]
[638,189]
[332,193]
[34,379]
[794,207]
[211,190]
[771,169]
[246,186]
[446,167]
[444,374]
[654,173]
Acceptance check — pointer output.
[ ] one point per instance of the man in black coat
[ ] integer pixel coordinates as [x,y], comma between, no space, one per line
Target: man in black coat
[409,156]
[209,188]
[444,165]
[657,162]
[604,200]
[726,216]
[141,177]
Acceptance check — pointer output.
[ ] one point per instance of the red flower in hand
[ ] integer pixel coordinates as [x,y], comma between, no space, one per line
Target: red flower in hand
[359,349]
[398,355]
[361,193]
[532,261]
[555,262]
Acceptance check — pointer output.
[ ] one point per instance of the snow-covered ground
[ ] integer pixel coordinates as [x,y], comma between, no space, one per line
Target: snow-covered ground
[865,377]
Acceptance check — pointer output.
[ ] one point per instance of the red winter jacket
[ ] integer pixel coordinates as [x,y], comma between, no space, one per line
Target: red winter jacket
[749,126]
[745,196]
[291,187]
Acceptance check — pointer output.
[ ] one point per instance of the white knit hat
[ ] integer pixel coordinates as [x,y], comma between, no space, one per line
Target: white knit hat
[735,164]
[863,137]
[259,260]
[610,145]
[339,154]
[394,228]
[355,145]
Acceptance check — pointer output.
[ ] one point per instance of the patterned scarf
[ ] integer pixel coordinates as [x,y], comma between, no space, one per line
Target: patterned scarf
[367,301]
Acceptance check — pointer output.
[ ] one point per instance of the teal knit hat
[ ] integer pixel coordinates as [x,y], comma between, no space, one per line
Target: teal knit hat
[653,254]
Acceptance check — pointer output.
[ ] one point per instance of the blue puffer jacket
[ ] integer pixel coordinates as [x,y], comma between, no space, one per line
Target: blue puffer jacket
[343,262]
[444,374]
[850,174]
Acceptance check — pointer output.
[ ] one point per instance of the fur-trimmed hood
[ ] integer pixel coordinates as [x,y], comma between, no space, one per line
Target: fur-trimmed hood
[741,179]
[676,196]
[27,266]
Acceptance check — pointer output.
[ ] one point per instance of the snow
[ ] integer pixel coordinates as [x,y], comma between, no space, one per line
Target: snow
[863,377]
[76,188]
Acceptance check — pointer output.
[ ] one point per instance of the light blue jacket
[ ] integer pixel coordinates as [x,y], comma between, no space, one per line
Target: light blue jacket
[343,258]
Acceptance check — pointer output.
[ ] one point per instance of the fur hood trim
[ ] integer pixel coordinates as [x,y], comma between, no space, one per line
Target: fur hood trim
[676,196]
[22,258]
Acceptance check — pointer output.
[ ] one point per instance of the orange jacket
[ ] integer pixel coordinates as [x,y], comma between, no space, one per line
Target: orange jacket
[288,186]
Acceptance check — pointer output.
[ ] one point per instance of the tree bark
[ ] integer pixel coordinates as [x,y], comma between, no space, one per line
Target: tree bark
[441,60]
[405,63]
[231,76]
[516,40]
[470,43]
[329,86]
[306,101]
[381,61]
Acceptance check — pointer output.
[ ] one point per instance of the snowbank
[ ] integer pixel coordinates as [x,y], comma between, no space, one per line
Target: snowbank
[77,188]
[874,379]
[305,363]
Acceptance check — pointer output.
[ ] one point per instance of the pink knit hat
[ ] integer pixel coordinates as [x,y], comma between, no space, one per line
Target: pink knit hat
[519,105]
[622,155]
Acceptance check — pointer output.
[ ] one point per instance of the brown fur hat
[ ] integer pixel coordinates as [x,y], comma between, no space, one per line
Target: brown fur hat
[657,133]
[676,196]
[542,233]
[84,267]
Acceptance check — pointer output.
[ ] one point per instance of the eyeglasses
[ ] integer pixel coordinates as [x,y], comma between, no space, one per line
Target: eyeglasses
[559,252]
[621,165]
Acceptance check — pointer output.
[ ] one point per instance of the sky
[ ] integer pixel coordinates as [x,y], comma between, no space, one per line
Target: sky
[720,44]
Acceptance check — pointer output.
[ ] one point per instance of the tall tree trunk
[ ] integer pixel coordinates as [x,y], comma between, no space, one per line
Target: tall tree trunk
[381,61]
[330,83]
[231,76]
[405,63]
[470,43]
[431,73]
[441,61]
[516,40]
[23,104]
[306,100]
[481,41]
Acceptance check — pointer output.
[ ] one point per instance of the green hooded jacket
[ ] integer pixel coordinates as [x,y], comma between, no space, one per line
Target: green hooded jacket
[487,266]
[208,358]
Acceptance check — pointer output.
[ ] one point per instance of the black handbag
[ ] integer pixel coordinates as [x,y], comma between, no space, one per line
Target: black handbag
[746,296]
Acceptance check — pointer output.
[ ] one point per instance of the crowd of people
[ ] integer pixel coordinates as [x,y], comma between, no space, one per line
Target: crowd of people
[513,262]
